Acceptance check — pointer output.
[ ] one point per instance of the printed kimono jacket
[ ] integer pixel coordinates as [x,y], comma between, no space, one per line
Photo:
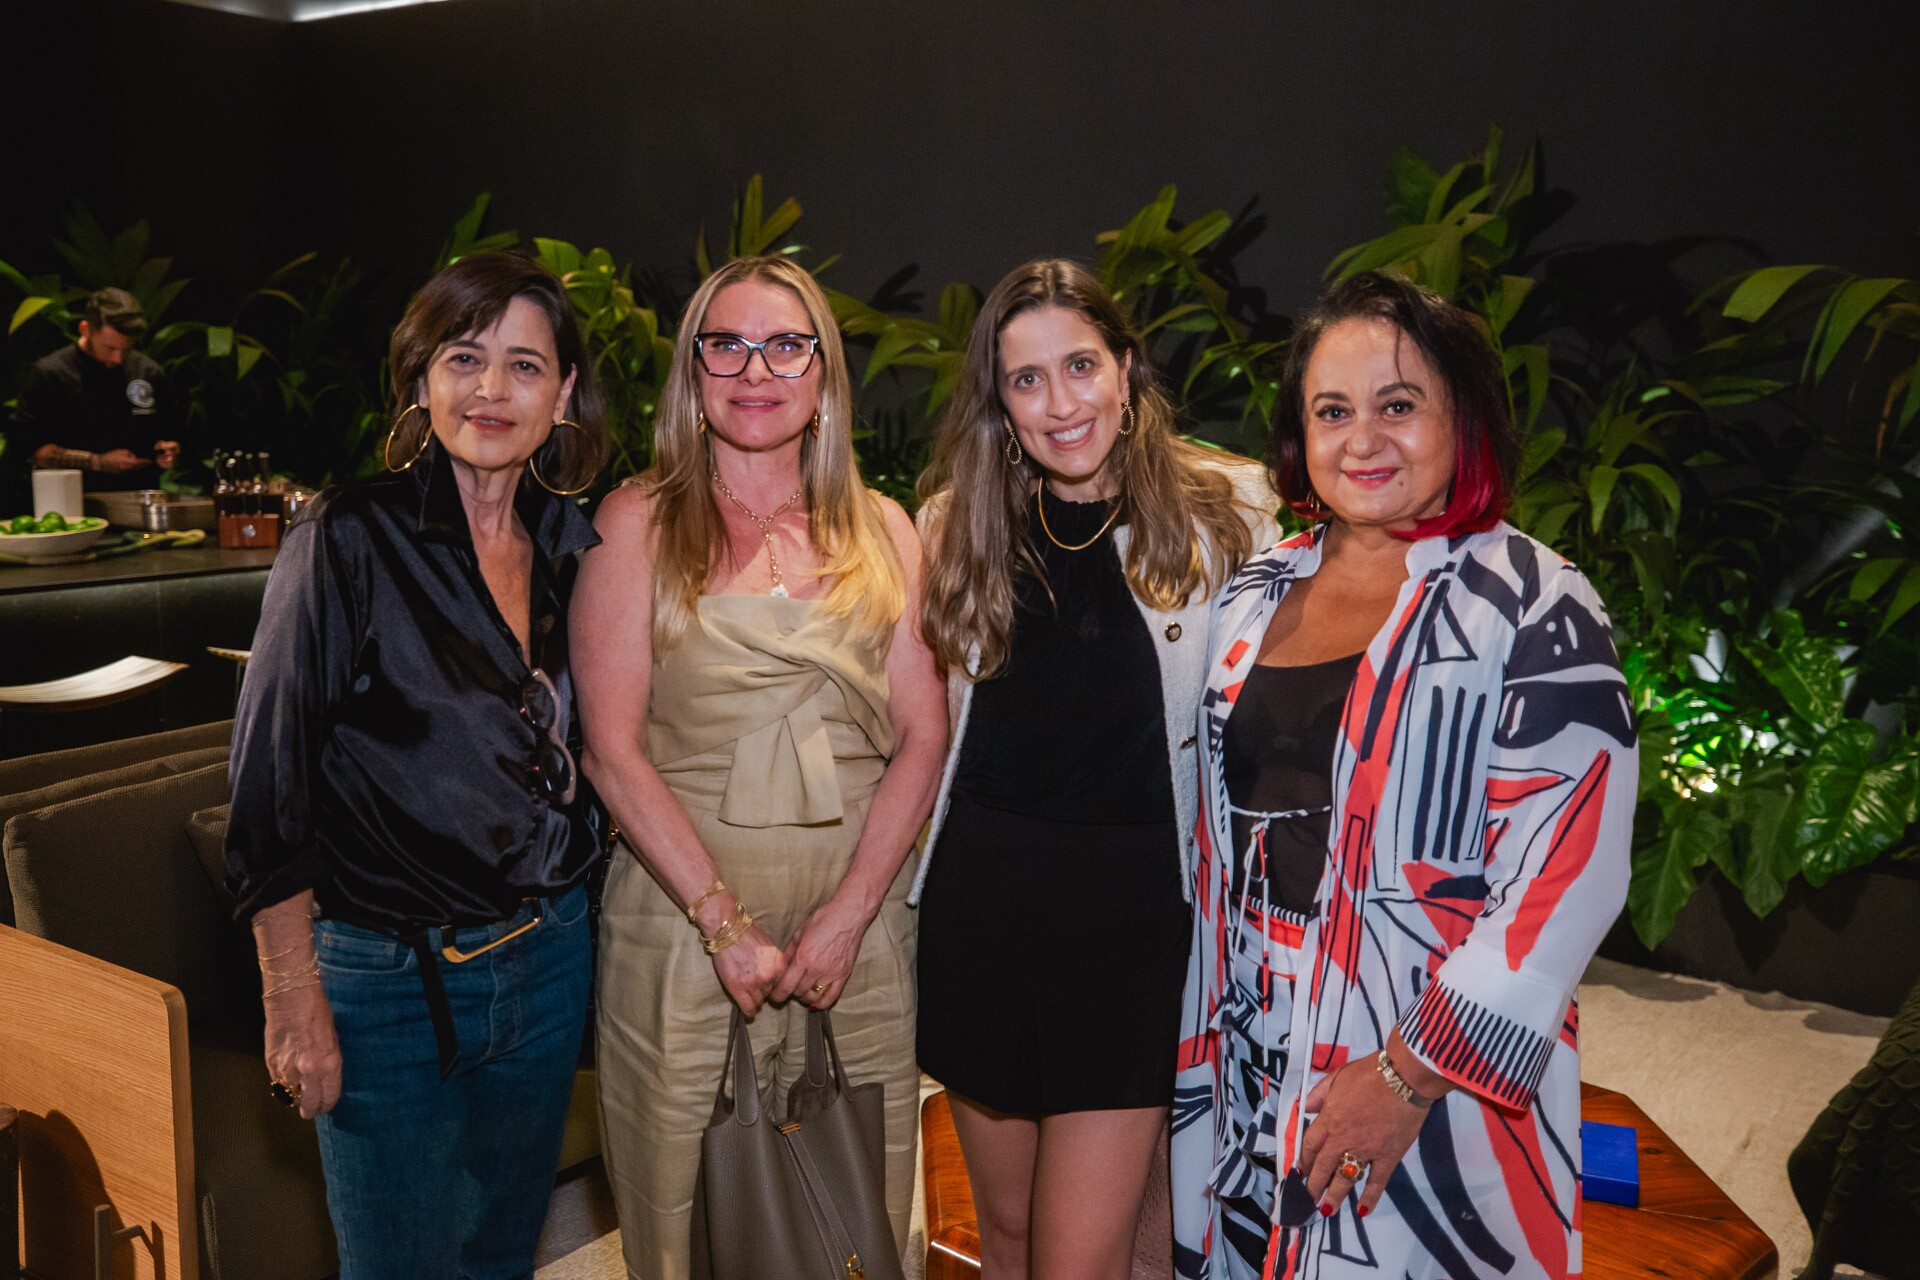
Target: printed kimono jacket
[1484,780]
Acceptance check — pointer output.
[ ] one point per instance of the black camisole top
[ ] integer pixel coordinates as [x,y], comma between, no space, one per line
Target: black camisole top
[1277,760]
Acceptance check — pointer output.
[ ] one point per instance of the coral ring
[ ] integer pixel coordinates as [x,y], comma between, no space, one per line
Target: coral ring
[1350,1166]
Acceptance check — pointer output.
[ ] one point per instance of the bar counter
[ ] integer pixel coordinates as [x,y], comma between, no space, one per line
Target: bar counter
[171,603]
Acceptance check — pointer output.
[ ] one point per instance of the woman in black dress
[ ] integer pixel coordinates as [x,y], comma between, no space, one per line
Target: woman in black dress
[1074,542]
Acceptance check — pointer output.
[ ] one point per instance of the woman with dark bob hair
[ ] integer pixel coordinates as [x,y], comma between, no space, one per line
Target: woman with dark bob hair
[408,836]
[1418,771]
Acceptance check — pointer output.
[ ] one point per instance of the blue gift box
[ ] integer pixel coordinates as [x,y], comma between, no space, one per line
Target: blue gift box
[1610,1160]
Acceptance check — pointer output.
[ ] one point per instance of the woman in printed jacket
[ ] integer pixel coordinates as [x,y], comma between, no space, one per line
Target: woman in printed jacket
[1418,771]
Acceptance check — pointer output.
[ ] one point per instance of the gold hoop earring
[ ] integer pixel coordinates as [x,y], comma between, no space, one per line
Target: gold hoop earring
[533,467]
[700,427]
[386,450]
[813,423]
[1015,455]
[1126,410]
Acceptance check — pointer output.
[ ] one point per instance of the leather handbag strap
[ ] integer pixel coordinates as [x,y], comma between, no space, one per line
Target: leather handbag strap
[738,1068]
[819,1194]
[823,1054]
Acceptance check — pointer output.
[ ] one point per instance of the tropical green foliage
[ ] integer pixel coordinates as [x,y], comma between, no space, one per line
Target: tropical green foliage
[1736,470]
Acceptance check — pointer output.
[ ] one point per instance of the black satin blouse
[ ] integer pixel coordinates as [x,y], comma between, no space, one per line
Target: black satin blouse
[380,757]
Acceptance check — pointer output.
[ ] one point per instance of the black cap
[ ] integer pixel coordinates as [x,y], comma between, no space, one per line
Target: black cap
[116,309]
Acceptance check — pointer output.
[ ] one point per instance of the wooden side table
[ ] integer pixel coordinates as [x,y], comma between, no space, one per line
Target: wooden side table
[1685,1225]
[9,1193]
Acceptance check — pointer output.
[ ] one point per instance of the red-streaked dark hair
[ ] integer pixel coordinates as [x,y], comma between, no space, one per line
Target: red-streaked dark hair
[1486,446]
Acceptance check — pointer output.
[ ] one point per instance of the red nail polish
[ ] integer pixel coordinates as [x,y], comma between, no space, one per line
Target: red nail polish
[1365,1209]
[1326,1211]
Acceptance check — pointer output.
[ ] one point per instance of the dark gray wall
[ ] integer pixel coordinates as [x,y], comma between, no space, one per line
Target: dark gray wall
[968,136]
[141,109]
[960,136]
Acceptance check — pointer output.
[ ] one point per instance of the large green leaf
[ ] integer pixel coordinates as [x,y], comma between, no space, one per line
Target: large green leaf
[1852,303]
[1905,597]
[1803,668]
[1659,480]
[1537,362]
[1503,304]
[1540,450]
[1440,260]
[1850,809]
[1395,246]
[1759,292]
[1873,575]
[27,310]
[1760,805]
[557,256]
[1664,872]
[1600,485]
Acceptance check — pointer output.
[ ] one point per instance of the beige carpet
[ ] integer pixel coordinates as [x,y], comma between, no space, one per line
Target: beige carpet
[1735,1077]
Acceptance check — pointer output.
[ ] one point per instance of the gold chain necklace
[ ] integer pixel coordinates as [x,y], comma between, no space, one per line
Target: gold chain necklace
[1040,498]
[766,529]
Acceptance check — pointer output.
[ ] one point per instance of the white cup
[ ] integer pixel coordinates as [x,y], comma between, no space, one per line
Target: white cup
[57,491]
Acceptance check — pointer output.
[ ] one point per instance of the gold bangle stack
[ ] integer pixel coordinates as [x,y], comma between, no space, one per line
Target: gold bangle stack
[701,901]
[729,933]
[279,982]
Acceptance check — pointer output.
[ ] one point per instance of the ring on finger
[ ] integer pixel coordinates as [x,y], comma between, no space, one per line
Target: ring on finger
[286,1094]
[1351,1166]
[818,988]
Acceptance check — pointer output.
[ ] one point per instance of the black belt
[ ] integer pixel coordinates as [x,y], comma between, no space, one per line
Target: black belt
[433,945]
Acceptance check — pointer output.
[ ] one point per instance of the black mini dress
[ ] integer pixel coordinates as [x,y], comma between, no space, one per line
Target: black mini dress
[1053,929]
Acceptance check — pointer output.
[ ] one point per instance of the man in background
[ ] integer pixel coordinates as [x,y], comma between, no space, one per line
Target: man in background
[101,406]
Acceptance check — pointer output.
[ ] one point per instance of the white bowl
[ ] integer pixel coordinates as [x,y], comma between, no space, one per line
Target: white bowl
[64,543]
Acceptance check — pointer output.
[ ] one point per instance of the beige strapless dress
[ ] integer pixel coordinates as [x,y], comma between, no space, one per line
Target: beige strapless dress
[768,721]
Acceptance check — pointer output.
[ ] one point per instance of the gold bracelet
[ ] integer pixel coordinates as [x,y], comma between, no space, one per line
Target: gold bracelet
[281,955]
[296,983]
[1399,1085]
[701,901]
[729,933]
[310,967]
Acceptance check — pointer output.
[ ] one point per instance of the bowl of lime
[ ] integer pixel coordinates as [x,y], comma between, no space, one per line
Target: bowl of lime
[50,535]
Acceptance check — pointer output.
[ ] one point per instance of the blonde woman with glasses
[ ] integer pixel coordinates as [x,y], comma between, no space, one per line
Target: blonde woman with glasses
[766,726]
[1074,542]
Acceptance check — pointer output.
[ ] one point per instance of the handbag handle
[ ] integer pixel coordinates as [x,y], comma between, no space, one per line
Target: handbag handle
[744,1106]
[823,1054]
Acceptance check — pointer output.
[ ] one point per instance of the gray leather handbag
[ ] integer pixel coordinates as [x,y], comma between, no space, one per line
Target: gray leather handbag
[804,1198]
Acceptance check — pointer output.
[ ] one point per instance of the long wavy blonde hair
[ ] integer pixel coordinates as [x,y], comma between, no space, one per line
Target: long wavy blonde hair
[1186,535]
[844,520]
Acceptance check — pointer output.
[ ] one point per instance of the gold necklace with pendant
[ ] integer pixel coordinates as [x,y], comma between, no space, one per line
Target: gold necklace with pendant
[766,529]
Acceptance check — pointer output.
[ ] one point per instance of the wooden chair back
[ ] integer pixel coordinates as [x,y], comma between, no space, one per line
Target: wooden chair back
[94,1058]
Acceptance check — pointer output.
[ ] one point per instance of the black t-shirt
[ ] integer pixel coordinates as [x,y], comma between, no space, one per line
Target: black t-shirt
[1074,729]
[72,400]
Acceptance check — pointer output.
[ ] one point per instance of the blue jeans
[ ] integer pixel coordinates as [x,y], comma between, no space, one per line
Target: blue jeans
[431,1179]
